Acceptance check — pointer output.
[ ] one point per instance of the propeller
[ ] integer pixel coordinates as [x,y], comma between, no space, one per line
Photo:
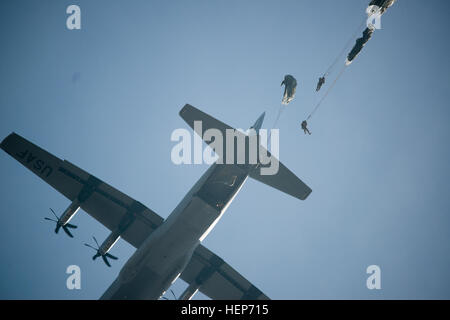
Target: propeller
[99,254]
[59,224]
[174,297]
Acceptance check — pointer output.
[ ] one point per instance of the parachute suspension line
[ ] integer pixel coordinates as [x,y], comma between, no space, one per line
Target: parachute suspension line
[280,111]
[326,93]
[347,45]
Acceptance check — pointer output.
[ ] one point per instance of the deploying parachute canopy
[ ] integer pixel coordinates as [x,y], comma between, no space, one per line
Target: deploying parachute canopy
[375,8]
[382,4]
[360,42]
[290,84]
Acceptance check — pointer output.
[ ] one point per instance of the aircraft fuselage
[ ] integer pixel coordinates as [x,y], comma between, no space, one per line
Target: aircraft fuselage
[165,253]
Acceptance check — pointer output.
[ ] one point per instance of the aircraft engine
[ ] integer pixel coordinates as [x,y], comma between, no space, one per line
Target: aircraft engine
[63,221]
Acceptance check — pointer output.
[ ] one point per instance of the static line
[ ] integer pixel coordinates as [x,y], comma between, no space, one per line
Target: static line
[280,111]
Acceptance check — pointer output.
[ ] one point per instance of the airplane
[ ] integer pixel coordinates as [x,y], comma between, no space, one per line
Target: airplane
[166,249]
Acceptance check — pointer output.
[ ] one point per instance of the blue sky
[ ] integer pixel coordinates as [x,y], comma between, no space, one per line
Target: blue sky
[107,97]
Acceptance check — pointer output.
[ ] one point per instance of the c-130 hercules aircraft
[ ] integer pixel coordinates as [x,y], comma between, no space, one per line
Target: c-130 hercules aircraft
[167,248]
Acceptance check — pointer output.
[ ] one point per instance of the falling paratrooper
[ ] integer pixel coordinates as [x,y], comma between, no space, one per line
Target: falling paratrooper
[320,83]
[376,8]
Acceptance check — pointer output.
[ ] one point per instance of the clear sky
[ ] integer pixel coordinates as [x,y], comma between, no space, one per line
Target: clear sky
[107,98]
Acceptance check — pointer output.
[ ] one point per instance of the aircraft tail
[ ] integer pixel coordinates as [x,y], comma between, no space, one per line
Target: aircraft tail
[284,180]
[258,123]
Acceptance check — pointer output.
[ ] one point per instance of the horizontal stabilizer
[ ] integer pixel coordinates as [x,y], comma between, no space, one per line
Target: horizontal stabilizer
[191,114]
[284,180]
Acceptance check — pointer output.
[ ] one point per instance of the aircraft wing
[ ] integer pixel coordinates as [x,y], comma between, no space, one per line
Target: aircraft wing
[104,203]
[111,208]
[217,279]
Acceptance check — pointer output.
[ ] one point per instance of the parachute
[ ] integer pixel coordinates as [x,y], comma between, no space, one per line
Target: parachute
[360,43]
[376,8]
[290,85]
[382,4]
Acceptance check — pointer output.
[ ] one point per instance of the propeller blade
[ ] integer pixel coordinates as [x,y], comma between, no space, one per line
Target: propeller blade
[58,226]
[165,298]
[69,225]
[98,254]
[109,255]
[88,245]
[98,246]
[54,214]
[66,230]
[106,261]
[50,219]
